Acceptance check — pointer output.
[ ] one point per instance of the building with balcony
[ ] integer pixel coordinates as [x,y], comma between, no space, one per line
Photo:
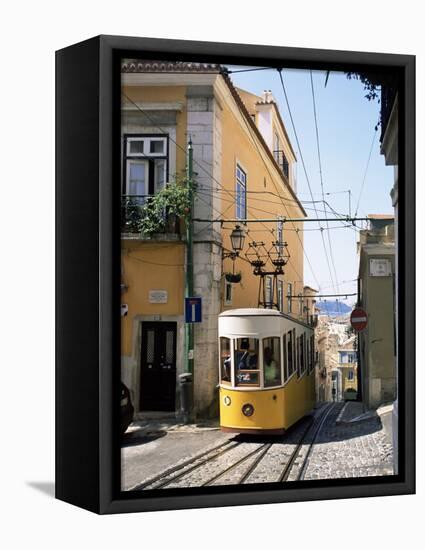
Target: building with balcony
[347,366]
[238,176]
[337,361]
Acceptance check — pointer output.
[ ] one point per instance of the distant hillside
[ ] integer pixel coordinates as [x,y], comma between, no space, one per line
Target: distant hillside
[333,308]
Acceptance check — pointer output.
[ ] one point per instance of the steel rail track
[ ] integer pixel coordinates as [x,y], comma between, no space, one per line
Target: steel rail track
[166,478]
[253,465]
[217,450]
[261,451]
[314,421]
[321,421]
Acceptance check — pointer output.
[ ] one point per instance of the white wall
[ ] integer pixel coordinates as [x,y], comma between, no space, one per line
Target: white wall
[31,31]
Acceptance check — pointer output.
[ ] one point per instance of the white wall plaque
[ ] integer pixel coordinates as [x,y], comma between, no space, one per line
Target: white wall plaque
[158,296]
[380,267]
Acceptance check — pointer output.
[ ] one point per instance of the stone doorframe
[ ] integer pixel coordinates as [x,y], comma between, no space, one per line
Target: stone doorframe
[137,347]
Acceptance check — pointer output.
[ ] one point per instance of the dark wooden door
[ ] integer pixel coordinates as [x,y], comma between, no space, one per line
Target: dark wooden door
[158,366]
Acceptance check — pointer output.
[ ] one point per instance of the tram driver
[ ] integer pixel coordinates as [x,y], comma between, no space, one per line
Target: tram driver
[227,366]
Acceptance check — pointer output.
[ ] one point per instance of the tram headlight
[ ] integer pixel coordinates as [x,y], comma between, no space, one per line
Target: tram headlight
[248,409]
[227,400]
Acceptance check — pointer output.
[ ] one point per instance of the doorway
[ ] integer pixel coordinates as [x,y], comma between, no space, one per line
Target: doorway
[158,366]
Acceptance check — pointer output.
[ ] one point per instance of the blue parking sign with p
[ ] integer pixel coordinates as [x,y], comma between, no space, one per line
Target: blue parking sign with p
[193,310]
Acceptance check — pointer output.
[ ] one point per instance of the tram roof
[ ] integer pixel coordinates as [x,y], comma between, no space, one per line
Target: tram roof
[258,312]
[251,311]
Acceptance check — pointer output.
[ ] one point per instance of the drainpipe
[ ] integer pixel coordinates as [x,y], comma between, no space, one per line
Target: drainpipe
[189,329]
[359,359]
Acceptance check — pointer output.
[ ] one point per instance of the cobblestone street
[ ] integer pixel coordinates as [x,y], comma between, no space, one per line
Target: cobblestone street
[354,449]
[335,442]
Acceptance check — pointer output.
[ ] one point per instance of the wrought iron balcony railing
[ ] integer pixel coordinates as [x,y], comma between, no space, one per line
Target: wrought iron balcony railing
[132,208]
[282,161]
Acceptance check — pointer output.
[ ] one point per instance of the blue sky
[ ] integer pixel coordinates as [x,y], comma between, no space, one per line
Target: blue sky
[346,122]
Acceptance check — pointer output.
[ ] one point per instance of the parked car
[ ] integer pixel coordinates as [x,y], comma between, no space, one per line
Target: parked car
[127,409]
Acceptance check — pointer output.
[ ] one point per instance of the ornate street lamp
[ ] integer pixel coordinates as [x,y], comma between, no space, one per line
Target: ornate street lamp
[237,238]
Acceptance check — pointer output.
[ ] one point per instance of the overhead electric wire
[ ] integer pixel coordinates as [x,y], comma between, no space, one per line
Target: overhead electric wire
[321,181]
[229,71]
[303,163]
[366,170]
[214,193]
[343,218]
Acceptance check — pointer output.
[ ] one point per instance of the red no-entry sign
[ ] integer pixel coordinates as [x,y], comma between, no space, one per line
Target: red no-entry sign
[358,319]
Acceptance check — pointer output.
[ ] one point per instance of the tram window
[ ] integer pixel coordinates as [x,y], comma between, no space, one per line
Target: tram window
[225,360]
[299,355]
[271,362]
[247,371]
[290,354]
[308,355]
[312,352]
[285,359]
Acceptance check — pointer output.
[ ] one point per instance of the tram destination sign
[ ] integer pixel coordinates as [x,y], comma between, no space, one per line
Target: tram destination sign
[358,319]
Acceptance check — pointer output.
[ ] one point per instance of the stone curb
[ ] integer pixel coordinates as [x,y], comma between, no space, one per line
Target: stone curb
[385,414]
[364,417]
[137,431]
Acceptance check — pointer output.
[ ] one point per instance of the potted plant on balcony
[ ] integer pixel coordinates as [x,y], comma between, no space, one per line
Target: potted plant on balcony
[162,212]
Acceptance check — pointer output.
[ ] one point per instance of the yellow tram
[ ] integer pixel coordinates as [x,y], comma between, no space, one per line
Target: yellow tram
[267,379]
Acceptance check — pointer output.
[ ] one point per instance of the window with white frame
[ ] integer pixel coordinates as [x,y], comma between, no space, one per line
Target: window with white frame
[268,282]
[145,164]
[280,295]
[289,296]
[240,193]
[228,293]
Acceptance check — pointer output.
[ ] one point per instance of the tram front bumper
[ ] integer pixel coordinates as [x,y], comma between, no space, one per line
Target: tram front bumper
[252,411]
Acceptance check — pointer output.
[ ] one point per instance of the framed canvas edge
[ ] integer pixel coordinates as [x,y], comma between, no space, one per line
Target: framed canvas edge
[109,501]
[111,44]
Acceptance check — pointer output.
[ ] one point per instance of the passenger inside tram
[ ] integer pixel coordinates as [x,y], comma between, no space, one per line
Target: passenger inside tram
[270,366]
[247,360]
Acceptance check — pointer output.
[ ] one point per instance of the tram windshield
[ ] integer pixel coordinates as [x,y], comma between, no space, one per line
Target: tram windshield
[247,372]
[271,362]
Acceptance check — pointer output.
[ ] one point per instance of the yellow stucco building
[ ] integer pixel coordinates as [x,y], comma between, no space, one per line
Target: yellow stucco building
[244,168]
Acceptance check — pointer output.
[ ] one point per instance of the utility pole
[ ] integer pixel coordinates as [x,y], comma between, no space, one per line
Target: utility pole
[187,393]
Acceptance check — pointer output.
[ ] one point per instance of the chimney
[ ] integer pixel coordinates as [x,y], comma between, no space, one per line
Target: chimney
[268,96]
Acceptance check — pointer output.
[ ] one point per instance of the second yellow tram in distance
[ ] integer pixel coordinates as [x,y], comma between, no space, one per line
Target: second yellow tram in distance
[267,379]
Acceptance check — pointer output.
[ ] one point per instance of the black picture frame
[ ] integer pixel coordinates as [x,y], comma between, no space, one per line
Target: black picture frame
[88,273]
